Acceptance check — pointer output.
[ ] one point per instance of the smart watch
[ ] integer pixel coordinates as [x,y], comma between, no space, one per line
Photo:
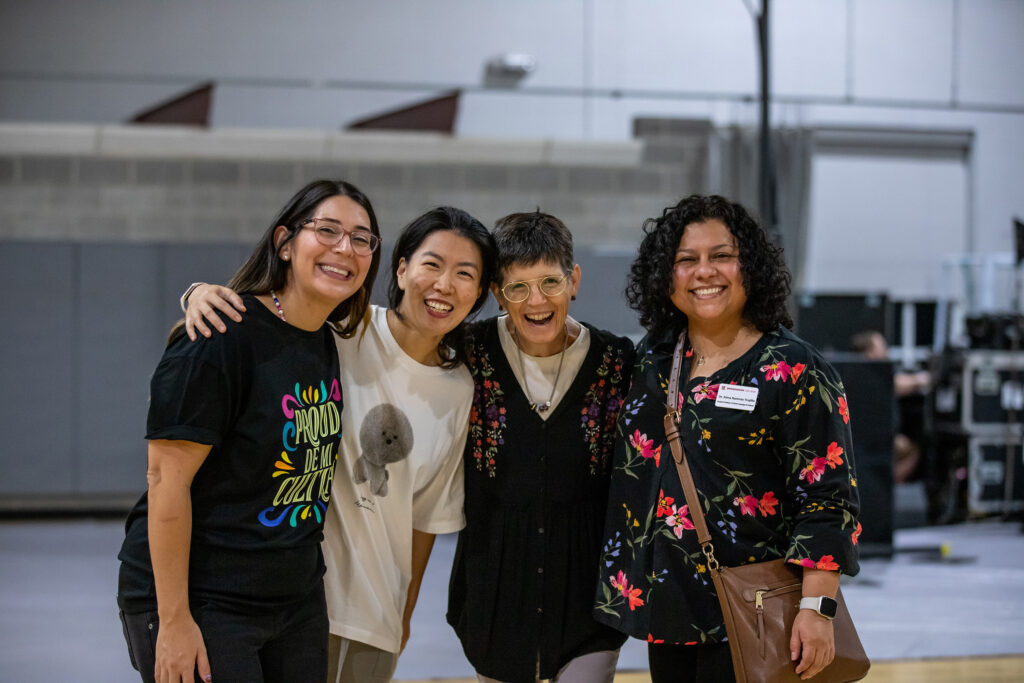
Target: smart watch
[824,605]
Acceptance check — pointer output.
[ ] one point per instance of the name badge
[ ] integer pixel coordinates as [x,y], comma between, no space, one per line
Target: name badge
[736,397]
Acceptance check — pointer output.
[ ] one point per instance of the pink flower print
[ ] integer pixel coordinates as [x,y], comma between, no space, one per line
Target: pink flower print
[776,371]
[631,594]
[748,505]
[641,443]
[704,390]
[679,521]
[813,472]
[827,562]
[644,445]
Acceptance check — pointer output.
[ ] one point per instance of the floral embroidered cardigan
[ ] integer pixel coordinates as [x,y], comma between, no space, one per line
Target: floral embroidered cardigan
[775,482]
[522,584]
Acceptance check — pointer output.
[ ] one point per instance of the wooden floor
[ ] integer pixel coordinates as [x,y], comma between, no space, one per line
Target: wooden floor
[959,670]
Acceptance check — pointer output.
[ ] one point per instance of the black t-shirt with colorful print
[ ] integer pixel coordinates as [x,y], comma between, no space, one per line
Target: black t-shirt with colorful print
[267,398]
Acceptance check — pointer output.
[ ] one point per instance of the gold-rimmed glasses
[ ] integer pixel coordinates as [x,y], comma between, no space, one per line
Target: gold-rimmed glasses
[548,285]
[330,233]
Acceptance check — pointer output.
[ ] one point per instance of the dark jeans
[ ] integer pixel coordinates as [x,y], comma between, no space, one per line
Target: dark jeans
[285,645]
[690,663]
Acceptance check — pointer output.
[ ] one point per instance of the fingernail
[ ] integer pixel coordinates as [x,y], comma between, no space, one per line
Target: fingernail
[208,678]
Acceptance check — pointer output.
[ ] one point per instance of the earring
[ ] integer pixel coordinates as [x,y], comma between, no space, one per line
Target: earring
[572,298]
[285,257]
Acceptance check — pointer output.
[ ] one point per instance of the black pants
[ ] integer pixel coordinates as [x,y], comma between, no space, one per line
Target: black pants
[690,663]
[275,645]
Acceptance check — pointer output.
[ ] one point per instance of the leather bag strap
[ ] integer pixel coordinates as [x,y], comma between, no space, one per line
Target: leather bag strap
[673,416]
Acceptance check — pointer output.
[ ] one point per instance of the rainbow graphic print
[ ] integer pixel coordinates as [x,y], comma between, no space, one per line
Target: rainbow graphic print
[305,467]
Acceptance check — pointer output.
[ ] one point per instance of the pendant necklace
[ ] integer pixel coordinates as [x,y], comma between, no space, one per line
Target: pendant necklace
[277,303]
[546,405]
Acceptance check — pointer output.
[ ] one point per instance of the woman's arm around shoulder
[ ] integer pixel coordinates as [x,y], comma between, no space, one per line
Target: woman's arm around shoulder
[202,304]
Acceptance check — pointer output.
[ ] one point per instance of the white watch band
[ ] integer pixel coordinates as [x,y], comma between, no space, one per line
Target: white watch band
[813,604]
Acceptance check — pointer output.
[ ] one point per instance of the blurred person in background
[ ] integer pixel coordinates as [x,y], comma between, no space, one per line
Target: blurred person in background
[906,386]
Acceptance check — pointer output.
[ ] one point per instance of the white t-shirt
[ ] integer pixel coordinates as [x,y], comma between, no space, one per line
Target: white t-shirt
[542,371]
[400,468]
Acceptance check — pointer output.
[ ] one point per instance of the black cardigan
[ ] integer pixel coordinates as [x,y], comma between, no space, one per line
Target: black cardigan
[522,585]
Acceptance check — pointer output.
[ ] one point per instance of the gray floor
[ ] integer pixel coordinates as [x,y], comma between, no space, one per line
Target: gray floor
[58,621]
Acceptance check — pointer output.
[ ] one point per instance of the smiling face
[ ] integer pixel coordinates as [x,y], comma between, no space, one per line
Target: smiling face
[539,321]
[707,284]
[441,282]
[321,275]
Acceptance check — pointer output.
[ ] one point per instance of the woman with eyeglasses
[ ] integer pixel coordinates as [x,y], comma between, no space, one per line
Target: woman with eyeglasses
[548,390]
[407,397]
[221,568]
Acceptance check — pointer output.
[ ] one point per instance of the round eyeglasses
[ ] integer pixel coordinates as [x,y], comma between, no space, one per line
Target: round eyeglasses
[548,285]
[330,234]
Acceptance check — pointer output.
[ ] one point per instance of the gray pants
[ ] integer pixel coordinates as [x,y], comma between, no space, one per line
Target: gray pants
[349,661]
[596,667]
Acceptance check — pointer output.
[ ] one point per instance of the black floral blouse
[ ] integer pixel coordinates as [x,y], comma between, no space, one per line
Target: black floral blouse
[777,481]
[522,585]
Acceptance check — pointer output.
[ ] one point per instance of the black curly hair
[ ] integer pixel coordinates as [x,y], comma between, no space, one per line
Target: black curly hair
[765,276]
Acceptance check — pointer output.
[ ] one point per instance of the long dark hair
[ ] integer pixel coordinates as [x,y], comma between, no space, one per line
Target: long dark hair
[264,270]
[765,276]
[451,348]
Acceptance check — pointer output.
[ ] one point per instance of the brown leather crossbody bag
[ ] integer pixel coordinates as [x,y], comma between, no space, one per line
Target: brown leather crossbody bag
[760,600]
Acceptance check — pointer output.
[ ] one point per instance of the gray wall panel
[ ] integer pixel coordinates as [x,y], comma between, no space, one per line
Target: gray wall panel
[39,381]
[120,343]
[601,301]
[183,264]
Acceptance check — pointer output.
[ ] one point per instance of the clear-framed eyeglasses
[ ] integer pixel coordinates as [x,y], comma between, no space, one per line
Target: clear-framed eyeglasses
[548,285]
[329,233]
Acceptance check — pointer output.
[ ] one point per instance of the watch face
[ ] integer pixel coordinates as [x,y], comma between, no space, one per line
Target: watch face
[828,607]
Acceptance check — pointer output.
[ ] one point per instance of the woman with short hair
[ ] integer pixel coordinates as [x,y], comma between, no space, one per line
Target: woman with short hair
[548,390]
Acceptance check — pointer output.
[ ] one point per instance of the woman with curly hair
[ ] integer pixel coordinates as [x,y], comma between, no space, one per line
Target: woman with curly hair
[774,471]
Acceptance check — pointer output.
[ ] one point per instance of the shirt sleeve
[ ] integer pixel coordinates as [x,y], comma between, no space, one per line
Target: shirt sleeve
[817,457]
[437,505]
[190,395]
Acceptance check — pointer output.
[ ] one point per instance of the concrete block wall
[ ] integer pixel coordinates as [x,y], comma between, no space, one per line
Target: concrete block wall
[101,228]
[87,183]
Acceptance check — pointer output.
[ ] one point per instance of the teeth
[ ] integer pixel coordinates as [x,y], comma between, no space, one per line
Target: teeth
[707,291]
[439,307]
[538,318]
[332,269]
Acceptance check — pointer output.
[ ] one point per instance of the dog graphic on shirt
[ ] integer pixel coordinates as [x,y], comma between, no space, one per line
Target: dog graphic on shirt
[385,437]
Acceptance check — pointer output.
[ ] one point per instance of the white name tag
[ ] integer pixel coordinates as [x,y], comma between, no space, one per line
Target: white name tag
[736,397]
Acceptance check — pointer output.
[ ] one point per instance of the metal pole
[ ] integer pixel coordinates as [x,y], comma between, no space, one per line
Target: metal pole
[767,176]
